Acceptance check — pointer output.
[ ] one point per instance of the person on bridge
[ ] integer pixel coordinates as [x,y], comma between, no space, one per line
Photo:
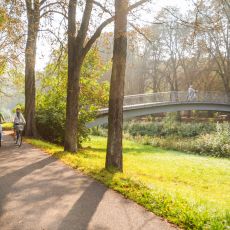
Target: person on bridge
[191,93]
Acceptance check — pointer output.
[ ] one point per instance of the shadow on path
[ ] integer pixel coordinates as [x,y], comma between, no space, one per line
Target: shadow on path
[83,210]
[8,180]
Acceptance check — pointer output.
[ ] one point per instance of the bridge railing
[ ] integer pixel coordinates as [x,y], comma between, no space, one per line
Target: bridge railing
[177,97]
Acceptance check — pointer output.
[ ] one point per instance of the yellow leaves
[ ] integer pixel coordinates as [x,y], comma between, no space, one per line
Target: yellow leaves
[3,17]
[2,64]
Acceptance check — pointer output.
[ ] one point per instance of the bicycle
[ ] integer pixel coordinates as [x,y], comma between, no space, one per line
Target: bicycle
[19,130]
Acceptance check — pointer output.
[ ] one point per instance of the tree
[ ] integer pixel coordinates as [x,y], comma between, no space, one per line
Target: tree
[214,27]
[33,18]
[11,41]
[154,57]
[79,45]
[116,96]
[36,10]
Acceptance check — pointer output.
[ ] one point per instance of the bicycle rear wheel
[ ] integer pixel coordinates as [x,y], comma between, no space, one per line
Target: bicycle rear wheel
[19,140]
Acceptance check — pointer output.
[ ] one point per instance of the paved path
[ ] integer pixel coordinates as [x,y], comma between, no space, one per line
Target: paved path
[38,192]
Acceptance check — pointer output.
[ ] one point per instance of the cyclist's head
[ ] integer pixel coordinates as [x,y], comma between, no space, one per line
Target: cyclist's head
[18,109]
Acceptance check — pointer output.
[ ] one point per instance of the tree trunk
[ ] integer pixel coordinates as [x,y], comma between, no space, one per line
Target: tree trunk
[76,55]
[74,70]
[72,106]
[114,157]
[30,58]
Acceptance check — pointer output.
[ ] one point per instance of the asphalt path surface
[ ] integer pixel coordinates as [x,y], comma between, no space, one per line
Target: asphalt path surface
[39,192]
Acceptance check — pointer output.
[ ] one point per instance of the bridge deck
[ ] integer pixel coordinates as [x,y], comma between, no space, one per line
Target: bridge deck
[146,104]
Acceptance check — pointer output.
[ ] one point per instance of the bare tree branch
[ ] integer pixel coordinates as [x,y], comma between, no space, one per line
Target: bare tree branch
[51,4]
[42,2]
[53,11]
[97,33]
[85,23]
[140,32]
[102,7]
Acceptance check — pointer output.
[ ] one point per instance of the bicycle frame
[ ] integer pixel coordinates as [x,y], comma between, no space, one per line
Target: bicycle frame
[0,135]
[19,129]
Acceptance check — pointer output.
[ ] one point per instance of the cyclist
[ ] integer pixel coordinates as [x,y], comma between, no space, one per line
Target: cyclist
[1,121]
[18,120]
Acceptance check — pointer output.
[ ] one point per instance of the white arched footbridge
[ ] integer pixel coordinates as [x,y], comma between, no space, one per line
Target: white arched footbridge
[152,103]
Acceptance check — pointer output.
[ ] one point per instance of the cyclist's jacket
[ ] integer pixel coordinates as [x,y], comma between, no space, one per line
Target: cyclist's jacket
[19,119]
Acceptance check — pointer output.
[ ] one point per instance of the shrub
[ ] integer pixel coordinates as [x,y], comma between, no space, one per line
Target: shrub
[7,126]
[98,131]
[149,129]
[194,129]
[50,122]
[167,128]
[216,144]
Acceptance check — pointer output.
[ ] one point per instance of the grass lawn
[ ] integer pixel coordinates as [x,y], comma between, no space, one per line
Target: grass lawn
[190,191]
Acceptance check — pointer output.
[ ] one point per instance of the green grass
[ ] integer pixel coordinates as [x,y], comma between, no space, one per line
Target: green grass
[190,191]
[7,126]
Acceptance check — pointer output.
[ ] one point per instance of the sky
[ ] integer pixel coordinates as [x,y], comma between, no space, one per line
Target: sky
[43,53]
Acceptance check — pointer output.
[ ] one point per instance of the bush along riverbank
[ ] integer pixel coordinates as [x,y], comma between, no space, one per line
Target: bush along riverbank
[216,143]
[199,138]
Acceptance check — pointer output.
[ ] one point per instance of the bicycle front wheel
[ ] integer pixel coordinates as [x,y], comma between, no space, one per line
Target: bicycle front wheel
[19,141]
